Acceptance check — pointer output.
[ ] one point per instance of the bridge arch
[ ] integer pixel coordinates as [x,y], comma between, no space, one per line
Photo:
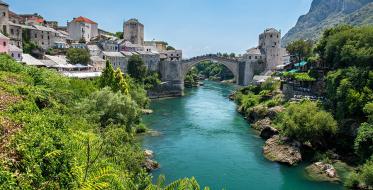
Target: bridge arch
[231,63]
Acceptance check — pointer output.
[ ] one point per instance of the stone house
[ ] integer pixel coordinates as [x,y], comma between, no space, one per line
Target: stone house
[4,17]
[117,59]
[82,28]
[15,52]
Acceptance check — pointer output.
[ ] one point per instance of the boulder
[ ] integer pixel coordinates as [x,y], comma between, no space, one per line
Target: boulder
[261,124]
[147,111]
[274,111]
[268,132]
[257,113]
[321,171]
[151,165]
[283,151]
[148,153]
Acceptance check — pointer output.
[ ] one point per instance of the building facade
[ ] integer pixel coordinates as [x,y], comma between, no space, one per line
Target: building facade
[133,31]
[82,28]
[270,44]
[4,17]
[117,60]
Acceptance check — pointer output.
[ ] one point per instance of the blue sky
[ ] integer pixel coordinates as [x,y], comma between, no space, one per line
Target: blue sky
[196,26]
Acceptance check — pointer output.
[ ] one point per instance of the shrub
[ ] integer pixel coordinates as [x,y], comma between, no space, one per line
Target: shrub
[305,121]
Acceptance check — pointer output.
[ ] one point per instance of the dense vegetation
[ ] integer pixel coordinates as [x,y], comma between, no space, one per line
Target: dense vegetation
[78,56]
[61,133]
[343,121]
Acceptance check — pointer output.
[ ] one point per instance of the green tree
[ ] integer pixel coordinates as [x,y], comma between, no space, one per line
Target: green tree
[305,121]
[348,91]
[152,80]
[119,35]
[364,139]
[120,83]
[345,46]
[170,48]
[136,68]
[78,56]
[107,78]
[106,107]
[300,50]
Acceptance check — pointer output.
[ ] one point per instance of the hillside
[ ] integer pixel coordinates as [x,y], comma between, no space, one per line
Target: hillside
[328,13]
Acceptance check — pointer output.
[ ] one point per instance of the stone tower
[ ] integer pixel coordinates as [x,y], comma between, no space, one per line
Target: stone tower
[133,31]
[4,17]
[270,44]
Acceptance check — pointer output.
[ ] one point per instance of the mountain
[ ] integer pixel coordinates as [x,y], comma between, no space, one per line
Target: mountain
[324,14]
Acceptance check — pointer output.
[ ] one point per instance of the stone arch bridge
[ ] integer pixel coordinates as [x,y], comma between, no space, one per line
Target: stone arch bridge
[174,72]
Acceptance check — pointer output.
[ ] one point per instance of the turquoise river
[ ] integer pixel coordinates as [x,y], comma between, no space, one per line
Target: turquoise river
[202,135]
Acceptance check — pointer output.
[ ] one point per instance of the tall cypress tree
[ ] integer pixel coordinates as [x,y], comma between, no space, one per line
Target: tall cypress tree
[107,77]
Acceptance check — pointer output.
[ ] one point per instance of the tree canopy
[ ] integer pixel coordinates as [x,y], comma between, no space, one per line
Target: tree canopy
[136,68]
[78,56]
[300,50]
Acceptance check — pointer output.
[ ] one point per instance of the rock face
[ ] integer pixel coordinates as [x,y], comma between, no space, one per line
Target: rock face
[327,13]
[320,171]
[282,150]
[274,111]
[268,132]
[261,124]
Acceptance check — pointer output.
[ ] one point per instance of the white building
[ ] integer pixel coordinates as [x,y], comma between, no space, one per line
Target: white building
[117,59]
[82,28]
[98,63]
[15,52]
[94,50]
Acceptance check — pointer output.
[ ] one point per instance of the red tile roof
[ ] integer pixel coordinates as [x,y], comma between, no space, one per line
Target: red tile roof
[83,19]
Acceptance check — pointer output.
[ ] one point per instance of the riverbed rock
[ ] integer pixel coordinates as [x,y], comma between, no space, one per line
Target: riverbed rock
[284,151]
[274,111]
[257,113]
[268,132]
[147,111]
[151,165]
[261,124]
[321,171]
[148,153]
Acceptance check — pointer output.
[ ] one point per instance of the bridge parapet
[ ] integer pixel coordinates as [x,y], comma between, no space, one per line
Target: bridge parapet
[212,56]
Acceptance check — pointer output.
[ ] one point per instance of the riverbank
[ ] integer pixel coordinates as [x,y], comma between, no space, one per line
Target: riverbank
[265,108]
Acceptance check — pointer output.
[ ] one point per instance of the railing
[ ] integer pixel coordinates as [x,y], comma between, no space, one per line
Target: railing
[212,56]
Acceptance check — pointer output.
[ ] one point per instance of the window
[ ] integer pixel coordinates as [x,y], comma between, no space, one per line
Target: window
[13,55]
[36,36]
[12,31]
[19,55]
[4,13]
[275,43]
[249,57]
[271,36]
[4,44]
[256,57]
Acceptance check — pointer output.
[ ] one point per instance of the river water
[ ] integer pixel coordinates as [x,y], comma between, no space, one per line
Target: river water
[202,135]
